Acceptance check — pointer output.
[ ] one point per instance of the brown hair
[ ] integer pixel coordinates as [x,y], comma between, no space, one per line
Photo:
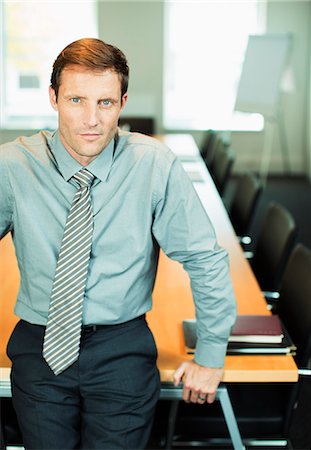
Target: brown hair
[92,54]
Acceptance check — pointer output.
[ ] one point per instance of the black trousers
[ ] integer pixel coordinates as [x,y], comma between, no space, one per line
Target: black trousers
[105,400]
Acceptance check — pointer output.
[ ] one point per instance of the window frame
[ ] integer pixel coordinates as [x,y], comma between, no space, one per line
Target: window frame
[46,118]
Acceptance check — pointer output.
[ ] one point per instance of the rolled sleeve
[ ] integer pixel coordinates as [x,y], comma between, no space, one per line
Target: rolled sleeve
[210,354]
[186,234]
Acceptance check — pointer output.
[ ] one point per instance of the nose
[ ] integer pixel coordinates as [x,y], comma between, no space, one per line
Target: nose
[91,116]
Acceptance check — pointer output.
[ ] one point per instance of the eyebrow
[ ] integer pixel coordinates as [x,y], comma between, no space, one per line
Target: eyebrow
[73,96]
[111,99]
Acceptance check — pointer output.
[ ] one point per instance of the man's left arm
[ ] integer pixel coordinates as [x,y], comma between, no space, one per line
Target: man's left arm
[185,233]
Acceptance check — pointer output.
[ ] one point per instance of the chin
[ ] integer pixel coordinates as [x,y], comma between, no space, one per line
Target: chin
[91,150]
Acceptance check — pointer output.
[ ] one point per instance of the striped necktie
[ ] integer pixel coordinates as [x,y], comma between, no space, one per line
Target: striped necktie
[63,331]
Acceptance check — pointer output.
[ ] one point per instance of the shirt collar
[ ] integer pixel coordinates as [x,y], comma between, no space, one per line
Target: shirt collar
[68,166]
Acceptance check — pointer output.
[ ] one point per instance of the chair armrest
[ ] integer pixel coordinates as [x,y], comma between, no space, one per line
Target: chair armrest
[245,240]
[272,299]
[271,295]
[304,372]
[248,255]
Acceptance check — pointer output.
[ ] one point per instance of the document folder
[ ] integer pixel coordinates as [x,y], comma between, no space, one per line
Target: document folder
[286,346]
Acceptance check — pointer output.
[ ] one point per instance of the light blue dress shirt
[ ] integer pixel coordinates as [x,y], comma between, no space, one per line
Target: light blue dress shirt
[142,200]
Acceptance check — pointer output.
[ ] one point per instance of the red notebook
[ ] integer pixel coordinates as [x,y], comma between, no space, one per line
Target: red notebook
[257,328]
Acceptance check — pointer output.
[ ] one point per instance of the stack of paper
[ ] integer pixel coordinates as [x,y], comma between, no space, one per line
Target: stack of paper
[255,328]
[252,334]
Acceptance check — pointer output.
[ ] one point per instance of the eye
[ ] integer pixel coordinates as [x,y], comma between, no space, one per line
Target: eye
[75,100]
[105,102]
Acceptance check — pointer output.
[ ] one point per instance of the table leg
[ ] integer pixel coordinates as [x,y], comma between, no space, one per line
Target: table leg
[169,392]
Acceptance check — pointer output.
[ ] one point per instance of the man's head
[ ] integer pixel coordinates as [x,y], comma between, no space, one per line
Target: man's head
[88,90]
[94,55]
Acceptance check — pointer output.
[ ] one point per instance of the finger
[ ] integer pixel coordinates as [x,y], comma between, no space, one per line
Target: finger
[194,396]
[186,394]
[201,398]
[179,373]
[211,397]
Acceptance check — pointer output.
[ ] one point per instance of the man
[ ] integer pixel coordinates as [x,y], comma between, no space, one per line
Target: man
[89,207]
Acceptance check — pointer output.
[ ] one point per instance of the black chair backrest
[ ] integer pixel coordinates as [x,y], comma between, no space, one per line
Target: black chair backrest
[207,144]
[145,125]
[215,144]
[295,302]
[222,168]
[218,148]
[276,239]
[244,202]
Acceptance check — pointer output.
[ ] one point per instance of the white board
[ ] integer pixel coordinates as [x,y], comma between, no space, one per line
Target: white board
[263,68]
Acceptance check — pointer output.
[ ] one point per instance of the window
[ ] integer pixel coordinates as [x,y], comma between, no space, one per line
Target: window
[205,43]
[33,35]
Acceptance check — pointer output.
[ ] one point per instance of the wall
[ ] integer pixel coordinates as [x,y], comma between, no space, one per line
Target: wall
[309,110]
[282,17]
[140,34]
[295,19]
[137,28]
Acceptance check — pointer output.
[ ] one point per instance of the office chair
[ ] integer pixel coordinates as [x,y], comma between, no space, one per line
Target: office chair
[207,144]
[10,434]
[265,412]
[295,301]
[222,167]
[145,125]
[244,203]
[294,309]
[275,241]
[211,159]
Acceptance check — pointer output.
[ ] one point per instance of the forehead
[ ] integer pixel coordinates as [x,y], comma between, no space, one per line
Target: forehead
[79,76]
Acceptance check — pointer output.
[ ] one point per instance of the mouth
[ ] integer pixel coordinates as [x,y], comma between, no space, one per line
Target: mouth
[90,136]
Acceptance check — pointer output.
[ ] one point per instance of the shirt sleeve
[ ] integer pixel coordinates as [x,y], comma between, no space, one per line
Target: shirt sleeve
[185,233]
[6,203]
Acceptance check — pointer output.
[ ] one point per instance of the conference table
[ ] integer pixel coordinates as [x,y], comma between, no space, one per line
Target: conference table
[172,298]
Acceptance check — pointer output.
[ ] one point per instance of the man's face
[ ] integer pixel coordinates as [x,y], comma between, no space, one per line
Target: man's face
[89,105]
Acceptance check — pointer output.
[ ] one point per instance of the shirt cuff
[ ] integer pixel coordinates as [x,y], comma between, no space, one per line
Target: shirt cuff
[210,355]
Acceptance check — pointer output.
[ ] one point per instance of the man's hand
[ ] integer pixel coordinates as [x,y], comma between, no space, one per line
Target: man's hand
[200,383]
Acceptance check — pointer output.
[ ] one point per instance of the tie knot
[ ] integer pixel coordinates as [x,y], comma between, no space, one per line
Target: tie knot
[84,178]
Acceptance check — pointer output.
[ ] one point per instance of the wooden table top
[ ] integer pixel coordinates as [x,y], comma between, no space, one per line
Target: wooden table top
[172,298]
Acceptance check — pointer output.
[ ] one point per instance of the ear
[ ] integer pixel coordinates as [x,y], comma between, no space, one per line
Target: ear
[53,99]
[123,100]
